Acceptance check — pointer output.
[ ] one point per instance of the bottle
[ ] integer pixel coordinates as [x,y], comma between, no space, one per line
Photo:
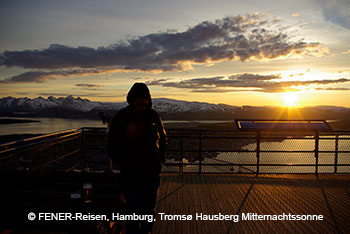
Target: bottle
[87,191]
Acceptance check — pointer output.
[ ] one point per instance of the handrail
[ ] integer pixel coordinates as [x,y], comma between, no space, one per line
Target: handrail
[21,153]
[196,142]
[39,137]
[37,143]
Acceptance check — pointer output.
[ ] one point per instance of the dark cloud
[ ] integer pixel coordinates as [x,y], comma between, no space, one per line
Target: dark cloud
[224,90]
[231,38]
[28,77]
[101,95]
[43,76]
[241,82]
[315,82]
[89,86]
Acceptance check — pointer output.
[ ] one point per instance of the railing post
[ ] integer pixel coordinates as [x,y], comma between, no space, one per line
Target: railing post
[200,152]
[336,153]
[57,151]
[108,159]
[82,148]
[316,151]
[181,153]
[257,153]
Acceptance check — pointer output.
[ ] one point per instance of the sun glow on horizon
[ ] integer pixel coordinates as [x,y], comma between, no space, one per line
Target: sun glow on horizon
[290,99]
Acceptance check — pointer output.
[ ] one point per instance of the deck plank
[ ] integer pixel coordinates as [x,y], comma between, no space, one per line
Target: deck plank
[212,194]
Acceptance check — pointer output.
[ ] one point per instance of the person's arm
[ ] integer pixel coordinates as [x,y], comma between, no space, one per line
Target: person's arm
[115,141]
[163,141]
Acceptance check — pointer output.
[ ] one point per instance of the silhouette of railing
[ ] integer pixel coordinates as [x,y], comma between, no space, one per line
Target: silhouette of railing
[213,151]
[190,151]
[55,151]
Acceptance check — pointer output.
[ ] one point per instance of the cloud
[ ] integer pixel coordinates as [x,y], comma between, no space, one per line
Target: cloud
[241,38]
[99,95]
[43,76]
[333,89]
[89,86]
[240,83]
[28,77]
[346,52]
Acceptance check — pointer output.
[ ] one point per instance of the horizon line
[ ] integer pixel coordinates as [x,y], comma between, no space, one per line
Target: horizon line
[271,106]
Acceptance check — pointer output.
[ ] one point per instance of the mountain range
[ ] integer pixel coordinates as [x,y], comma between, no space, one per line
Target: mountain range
[76,107]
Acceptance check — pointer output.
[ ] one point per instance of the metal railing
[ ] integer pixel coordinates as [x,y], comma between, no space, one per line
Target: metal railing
[54,151]
[212,151]
[190,151]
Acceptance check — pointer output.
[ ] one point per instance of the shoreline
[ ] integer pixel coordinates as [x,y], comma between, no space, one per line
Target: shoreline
[16,121]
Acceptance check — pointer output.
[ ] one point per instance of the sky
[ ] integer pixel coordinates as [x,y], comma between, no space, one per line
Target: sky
[253,52]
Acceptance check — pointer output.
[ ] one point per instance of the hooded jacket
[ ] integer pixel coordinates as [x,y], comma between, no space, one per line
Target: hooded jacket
[137,144]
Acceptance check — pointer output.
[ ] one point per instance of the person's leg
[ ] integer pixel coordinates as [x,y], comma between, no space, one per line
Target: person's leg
[149,201]
[131,192]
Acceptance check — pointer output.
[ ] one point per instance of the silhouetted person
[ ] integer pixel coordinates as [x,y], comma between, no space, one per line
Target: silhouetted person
[136,144]
[105,117]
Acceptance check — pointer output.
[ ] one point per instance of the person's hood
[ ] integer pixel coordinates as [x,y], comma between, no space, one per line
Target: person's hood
[139,90]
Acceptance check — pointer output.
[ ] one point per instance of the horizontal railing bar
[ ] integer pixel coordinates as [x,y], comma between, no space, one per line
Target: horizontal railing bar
[210,137]
[232,164]
[73,136]
[96,148]
[57,159]
[39,137]
[254,151]
[254,137]
[7,157]
[238,151]
[254,165]
[73,167]
[300,151]
[298,165]
[239,131]
[38,143]
[213,151]
[250,173]
[262,131]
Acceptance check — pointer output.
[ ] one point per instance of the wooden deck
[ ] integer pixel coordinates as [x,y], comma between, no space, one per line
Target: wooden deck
[188,194]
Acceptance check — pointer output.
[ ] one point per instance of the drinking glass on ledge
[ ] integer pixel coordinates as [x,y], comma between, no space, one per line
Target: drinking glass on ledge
[87,191]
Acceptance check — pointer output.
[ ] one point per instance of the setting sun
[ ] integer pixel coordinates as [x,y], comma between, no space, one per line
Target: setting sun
[290,99]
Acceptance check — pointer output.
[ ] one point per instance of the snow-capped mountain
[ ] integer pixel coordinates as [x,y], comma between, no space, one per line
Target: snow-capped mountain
[39,103]
[159,104]
[76,107]
[171,105]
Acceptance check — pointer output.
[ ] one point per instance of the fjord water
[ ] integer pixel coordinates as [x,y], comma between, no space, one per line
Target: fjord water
[46,125]
[287,161]
[288,157]
[49,125]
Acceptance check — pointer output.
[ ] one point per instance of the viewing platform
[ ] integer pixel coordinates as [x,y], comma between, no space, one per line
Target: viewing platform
[242,196]
[246,175]
[188,194]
